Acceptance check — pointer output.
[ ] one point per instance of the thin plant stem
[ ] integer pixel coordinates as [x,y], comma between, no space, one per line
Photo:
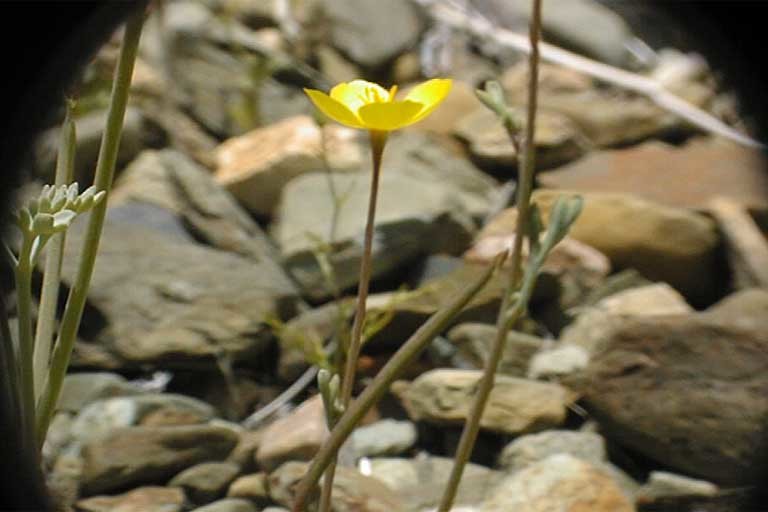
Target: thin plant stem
[23,277]
[371,395]
[378,141]
[105,169]
[506,318]
[49,295]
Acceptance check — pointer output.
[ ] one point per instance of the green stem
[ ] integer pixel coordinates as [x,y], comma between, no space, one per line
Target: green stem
[409,351]
[378,141]
[23,276]
[105,168]
[506,318]
[49,295]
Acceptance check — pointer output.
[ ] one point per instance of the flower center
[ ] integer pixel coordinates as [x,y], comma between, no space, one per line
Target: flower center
[373,95]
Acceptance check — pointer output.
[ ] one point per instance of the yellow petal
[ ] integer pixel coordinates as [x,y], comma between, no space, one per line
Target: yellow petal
[354,94]
[389,116]
[430,94]
[333,109]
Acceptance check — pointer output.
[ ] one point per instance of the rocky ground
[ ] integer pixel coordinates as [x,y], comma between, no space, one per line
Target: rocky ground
[639,382]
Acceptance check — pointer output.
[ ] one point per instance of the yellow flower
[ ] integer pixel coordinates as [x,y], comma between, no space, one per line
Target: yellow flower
[366,105]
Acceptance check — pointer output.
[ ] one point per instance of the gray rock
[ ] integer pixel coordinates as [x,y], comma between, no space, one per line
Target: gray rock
[532,448]
[372,33]
[102,417]
[228,505]
[515,406]
[205,482]
[385,437]
[172,303]
[143,499]
[559,482]
[474,342]
[144,455]
[747,309]
[558,362]
[80,389]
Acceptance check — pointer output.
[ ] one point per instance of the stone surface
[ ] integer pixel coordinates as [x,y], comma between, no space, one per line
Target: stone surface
[102,417]
[662,484]
[746,309]
[746,244]
[664,173]
[143,455]
[685,390]
[171,302]
[205,482]
[458,104]
[143,499]
[665,244]
[256,166]
[426,202]
[532,448]
[297,436]
[244,454]
[473,343]
[251,487]
[515,406]
[385,437]
[352,491]
[420,481]
[228,505]
[559,482]
[592,324]
[372,33]
[80,389]
[557,140]
[558,362]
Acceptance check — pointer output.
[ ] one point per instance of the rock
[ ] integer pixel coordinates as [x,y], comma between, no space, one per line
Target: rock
[559,482]
[335,66]
[664,244]
[474,341]
[352,491]
[228,505]
[244,454]
[170,180]
[80,389]
[252,14]
[532,448]
[516,406]
[205,482]
[663,173]
[746,309]
[426,202]
[144,455]
[593,323]
[143,499]
[297,436]
[370,33]
[747,246]
[420,481]
[661,485]
[170,302]
[385,437]
[102,417]
[684,390]
[558,362]
[256,166]
[251,487]
[557,140]
[607,117]
[585,26]
[457,105]
[137,134]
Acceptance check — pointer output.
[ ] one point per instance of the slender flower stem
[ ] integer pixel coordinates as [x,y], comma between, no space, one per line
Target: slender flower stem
[409,351]
[49,296]
[105,169]
[24,306]
[378,141]
[507,317]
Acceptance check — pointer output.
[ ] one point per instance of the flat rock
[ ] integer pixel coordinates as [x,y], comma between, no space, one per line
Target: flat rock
[383,438]
[557,362]
[205,482]
[143,499]
[171,302]
[297,436]
[252,487]
[664,173]
[144,455]
[372,33]
[80,389]
[228,505]
[685,390]
[515,406]
[559,482]
[256,166]
[532,448]
[747,309]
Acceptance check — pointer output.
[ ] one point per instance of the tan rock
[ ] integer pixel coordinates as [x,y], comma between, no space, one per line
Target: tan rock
[256,166]
[143,499]
[298,436]
[252,487]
